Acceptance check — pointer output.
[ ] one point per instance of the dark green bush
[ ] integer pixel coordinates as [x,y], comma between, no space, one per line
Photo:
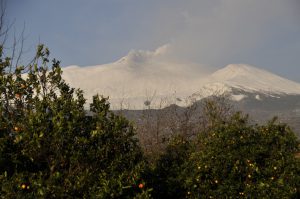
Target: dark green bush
[166,178]
[236,159]
[50,148]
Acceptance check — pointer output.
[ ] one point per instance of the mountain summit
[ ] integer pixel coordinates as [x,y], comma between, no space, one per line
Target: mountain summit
[252,79]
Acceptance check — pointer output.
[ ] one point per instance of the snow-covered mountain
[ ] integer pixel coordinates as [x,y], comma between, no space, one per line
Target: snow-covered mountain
[250,78]
[241,81]
[145,76]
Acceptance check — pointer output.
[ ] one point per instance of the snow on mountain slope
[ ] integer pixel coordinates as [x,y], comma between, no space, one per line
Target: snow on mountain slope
[146,76]
[138,77]
[250,78]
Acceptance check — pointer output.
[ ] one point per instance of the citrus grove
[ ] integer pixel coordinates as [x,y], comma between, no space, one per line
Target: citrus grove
[52,147]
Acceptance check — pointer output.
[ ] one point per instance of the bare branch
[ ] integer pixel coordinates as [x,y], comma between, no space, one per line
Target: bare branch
[2,13]
[21,41]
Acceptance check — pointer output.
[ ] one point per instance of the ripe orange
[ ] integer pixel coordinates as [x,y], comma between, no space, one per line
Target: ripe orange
[16,128]
[23,186]
[141,186]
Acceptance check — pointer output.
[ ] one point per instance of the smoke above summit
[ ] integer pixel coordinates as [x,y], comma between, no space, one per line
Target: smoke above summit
[137,76]
[161,61]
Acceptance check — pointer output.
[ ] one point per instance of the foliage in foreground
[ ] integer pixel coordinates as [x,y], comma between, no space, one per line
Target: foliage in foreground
[235,159]
[49,148]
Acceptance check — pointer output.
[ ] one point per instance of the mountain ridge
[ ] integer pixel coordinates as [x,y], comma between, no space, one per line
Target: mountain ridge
[145,76]
[255,79]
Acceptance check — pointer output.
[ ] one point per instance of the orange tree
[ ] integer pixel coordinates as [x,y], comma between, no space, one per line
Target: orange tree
[165,178]
[237,159]
[51,148]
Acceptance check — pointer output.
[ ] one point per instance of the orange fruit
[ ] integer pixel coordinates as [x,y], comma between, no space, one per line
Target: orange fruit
[141,186]
[17,129]
[23,186]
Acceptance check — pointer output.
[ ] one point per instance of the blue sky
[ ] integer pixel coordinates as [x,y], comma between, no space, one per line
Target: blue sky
[264,33]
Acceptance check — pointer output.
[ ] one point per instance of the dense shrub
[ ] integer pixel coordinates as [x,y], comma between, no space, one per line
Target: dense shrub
[236,159]
[165,178]
[50,148]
